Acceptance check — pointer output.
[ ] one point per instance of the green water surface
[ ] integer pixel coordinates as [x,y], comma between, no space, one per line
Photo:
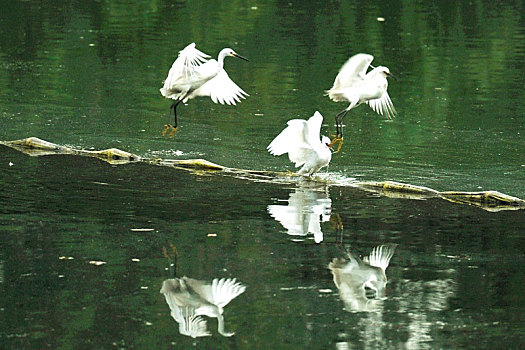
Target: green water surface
[87,74]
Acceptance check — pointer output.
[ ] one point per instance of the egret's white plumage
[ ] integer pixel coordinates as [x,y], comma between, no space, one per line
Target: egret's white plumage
[301,140]
[193,74]
[355,85]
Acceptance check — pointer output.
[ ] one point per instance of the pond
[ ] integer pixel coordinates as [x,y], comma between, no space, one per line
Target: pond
[87,246]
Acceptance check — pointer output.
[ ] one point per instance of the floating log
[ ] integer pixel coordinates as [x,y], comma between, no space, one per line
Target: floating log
[394,189]
[487,200]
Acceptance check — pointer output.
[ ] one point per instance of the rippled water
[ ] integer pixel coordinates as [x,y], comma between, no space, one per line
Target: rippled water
[85,246]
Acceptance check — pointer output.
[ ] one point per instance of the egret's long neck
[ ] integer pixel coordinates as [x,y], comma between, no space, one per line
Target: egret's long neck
[376,71]
[220,59]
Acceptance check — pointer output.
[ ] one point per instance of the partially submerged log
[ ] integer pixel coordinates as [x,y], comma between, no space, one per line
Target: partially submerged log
[394,189]
[488,200]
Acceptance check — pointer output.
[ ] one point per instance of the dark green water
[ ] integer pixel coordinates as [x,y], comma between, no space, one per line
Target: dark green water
[87,74]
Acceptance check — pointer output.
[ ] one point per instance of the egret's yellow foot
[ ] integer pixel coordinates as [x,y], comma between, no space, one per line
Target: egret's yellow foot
[172,130]
[166,128]
[339,140]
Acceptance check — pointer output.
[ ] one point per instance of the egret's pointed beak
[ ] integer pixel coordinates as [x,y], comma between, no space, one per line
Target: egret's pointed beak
[392,76]
[239,56]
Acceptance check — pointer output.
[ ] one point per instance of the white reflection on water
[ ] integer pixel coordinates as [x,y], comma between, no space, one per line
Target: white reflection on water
[425,299]
[304,213]
[190,299]
[352,276]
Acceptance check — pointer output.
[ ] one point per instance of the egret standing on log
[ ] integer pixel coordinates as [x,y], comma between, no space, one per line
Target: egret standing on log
[192,75]
[355,85]
[302,142]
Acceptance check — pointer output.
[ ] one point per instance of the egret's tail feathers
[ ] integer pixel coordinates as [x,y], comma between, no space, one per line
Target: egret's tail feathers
[334,95]
[174,94]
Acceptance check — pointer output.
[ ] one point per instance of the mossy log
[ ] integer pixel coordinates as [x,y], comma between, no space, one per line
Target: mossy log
[394,189]
[488,200]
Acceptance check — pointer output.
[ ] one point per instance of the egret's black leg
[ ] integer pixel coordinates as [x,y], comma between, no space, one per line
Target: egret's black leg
[339,122]
[339,130]
[172,128]
[174,107]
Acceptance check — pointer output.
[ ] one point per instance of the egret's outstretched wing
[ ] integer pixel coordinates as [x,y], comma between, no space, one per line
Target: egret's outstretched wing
[221,89]
[381,255]
[224,290]
[189,58]
[354,70]
[383,106]
[313,129]
[292,140]
[183,70]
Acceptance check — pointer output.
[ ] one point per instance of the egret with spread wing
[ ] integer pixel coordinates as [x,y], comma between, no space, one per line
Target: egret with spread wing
[192,75]
[353,84]
[301,140]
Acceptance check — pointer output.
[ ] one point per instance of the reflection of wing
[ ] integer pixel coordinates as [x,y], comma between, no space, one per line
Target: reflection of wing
[320,212]
[192,325]
[221,89]
[289,217]
[350,284]
[224,290]
[383,106]
[381,255]
[304,213]
[189,323]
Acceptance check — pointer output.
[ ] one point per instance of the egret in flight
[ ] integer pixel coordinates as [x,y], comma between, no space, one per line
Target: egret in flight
[192,75]
[353,84]
[301,140]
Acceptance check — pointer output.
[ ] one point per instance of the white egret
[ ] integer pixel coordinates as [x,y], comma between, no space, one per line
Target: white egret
[192,75]
[301,140]
[355,85]
[353,275]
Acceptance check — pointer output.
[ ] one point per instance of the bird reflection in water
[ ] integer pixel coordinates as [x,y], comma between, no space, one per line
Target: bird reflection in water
[362,282]
[190,299]
[306,210]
